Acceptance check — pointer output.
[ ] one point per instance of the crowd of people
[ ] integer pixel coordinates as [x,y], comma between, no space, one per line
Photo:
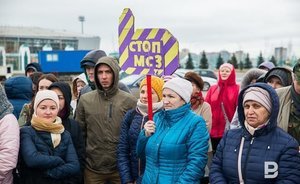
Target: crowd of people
[94,131]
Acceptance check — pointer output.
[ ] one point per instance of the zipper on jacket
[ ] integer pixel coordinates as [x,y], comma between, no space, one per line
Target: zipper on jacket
[110,110]
[246,161]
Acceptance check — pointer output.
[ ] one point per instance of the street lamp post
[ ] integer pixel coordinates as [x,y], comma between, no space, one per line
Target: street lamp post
[81,19]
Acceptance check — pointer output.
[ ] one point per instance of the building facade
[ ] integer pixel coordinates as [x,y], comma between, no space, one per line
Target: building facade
[22,44]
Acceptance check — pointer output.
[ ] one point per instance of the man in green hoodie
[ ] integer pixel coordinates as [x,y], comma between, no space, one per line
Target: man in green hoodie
[100,113]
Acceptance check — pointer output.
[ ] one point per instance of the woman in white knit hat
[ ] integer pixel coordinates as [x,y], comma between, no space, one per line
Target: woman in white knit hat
[175,143]
[47,151]
[258,152]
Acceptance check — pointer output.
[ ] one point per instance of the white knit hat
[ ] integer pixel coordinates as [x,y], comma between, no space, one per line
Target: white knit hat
[180,86]
[43,95]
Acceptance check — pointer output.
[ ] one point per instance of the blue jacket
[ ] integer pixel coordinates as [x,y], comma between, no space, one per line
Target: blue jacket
[19,91]
[43,163]
[268,144]
[176,152]
[129,166]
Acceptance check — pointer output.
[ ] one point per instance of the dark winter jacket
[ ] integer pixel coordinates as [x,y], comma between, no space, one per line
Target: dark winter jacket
[19,91]
[71,125]
[130,167]
[270,144]
[41,163]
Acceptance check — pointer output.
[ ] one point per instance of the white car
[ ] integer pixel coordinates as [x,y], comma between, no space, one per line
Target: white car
[208,81]
[133,81]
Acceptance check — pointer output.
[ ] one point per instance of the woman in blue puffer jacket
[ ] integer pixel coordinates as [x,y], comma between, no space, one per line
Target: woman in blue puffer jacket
[259,152]
[130,167]
[175,143]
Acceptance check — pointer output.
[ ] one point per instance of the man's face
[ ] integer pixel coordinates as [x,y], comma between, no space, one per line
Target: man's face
[30,72]
[89,70]
[105,76]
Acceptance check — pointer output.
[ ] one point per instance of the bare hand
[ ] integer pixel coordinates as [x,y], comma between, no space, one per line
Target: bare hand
[149,128]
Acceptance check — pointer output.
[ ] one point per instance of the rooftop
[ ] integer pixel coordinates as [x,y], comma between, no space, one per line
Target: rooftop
[32,32]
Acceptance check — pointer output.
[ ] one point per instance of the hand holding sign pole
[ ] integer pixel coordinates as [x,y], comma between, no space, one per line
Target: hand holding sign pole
[146,51]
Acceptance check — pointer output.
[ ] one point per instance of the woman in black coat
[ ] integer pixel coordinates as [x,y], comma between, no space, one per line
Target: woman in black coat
[63,91]
[46,149]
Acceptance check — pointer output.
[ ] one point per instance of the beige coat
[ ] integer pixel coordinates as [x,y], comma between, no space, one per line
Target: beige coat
[285,101]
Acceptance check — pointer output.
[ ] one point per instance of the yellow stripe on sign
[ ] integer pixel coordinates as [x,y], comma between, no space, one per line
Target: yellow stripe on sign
[123,57]
[125,11]
[152,34]
[166,37]
[158,72]
[125,31]
[137,34]
[130,70]
[145,71]
[171,54]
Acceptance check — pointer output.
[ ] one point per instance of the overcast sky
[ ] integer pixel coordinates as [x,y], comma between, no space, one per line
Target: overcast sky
[210,25]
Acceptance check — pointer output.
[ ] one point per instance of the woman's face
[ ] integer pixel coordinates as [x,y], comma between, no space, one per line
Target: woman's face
[275,82]
[171,99]
[61,98]
[79,86]
[225,72]
[195,88]
[144,95]
[47,109]
[255,113]
[44,84]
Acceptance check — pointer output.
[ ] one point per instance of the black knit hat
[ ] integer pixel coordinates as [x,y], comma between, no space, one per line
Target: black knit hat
[283,74]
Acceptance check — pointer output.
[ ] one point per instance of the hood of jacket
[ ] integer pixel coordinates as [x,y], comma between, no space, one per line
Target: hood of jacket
[253,73]
[5,106]
[90,59]
[112,63]
[66,91]
[19,87]
[274,112]
[231,80]
[35,66]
